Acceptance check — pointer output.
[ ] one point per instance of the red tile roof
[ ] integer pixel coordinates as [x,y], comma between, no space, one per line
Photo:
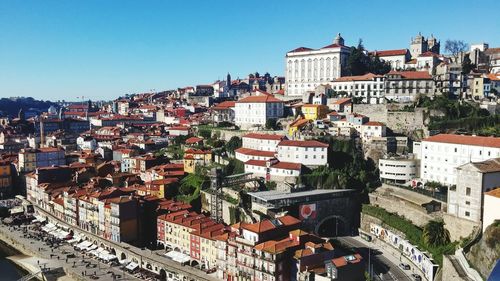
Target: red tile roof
[308,143]
[266,225]
[428,54]
[259,99]
[278,165]
[412,74]
[301,49]
[465,140]
[254,152]
[374,123]
[389,53]
[193,140]
[264,136]
[494,192]
[332,46]
[342,101]
[224,105]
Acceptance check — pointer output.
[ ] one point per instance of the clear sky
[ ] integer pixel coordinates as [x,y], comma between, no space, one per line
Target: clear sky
[100,49]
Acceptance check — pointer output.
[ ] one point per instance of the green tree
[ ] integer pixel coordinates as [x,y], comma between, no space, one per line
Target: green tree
[234,166]
[233,144]
[435,234]
[467,65]
[271,124]
[357,62]
[205,133]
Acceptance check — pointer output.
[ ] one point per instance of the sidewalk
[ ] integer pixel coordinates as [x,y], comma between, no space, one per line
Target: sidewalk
[74,267]
[391,254]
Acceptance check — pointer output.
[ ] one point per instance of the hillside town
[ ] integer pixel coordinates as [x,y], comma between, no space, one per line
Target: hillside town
[352,164]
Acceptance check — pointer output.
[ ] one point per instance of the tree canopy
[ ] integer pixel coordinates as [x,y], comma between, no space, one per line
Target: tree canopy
[360,62]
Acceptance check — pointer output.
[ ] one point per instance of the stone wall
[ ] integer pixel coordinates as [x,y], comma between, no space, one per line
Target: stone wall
[412,124]
[416,214]
[459,228]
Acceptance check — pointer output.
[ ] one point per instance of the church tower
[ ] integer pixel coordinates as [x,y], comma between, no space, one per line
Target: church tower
[433,44]
[418,46]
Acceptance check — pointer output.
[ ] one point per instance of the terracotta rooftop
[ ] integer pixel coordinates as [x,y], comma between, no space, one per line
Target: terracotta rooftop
[389,53]
[278,165]
[494,192]
[254,152]
[264,136]
[259,99]
[411,74]
[465,140]
[224,105]
[308,143]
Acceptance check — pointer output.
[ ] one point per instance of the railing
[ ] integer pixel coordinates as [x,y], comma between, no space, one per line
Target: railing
[30,276]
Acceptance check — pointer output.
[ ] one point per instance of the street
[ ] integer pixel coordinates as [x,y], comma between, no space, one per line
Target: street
[383,262]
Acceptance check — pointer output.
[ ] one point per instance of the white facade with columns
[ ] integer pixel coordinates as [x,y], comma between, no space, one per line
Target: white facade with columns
[308,68]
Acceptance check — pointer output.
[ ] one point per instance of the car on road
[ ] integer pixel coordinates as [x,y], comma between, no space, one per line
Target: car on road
[416,277]
[404,266]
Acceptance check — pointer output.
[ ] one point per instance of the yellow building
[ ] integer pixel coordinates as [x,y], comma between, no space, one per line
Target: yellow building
[296,125]
[314,111]
[5,176]
[196,157]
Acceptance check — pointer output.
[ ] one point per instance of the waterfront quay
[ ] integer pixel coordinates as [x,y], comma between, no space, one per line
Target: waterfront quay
[147,260]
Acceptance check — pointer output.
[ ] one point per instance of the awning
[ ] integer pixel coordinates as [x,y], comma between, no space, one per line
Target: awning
[132,266]
[110,257]
[124,261]
[83,245]
[178,256]
[92,247]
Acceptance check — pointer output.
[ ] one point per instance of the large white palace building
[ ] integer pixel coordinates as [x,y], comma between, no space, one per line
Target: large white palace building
[308,68]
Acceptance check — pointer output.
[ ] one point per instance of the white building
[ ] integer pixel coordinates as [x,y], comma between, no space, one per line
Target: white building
[307,68]
[263,142]
[274,170]
[491,208]
[245,154]
[398,170]
[308,153]
[372,129]
[404,86]
[442,154]
[465,200]
[396,58]
[256,110]
[370,87]
[86,143]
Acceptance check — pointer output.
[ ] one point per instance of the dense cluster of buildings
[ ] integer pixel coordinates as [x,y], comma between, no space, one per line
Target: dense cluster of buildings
[117,169]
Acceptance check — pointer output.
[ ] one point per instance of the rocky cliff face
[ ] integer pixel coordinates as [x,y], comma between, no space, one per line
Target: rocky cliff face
[483,255]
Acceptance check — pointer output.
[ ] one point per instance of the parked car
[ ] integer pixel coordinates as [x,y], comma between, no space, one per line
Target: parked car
[416,277]
[404,266]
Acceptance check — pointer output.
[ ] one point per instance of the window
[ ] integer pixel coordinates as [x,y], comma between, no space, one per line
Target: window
[467,214]
[467,202]
[467,191]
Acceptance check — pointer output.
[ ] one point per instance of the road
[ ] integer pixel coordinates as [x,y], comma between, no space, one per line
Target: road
[381,260]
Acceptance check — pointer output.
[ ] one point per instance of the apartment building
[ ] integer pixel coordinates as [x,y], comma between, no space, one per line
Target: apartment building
[308,153]
[441,154]
[254,111]
[263,142]
[30,159]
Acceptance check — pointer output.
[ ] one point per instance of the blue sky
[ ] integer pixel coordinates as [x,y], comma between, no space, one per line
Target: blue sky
[56,49]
